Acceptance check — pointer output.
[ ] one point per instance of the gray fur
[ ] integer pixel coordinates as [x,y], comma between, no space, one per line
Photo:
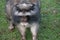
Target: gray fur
[32,17]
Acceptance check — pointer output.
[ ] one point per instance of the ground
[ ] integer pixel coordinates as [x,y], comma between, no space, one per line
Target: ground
[49,25]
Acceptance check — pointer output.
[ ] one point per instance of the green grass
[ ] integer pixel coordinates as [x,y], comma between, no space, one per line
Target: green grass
[49,25]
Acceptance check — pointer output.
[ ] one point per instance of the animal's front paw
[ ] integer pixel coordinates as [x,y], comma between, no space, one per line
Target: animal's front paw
[11,28]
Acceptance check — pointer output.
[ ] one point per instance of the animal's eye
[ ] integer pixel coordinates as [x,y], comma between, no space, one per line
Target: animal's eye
[18,9]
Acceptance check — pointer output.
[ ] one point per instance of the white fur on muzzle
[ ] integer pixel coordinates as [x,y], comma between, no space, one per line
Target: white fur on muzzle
[21,13]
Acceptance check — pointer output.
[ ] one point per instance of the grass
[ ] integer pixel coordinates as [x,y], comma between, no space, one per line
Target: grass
[49,25]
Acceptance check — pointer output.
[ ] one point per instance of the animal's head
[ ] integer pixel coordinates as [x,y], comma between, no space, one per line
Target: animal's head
[25,6]
[24,9]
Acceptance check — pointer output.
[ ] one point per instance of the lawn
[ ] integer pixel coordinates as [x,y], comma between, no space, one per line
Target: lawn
[49,25]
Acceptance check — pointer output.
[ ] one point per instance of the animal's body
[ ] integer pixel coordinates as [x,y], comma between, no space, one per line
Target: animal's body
[22,18]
